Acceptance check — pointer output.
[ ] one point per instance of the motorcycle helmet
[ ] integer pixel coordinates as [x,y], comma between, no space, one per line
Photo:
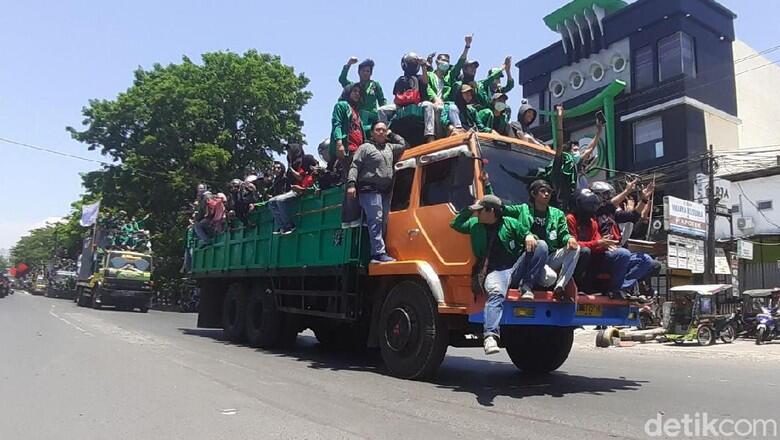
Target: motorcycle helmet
[410,63]
[586,202]
[603,190]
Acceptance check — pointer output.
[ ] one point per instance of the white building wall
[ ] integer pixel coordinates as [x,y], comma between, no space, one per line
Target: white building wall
[758,95]
[747,194]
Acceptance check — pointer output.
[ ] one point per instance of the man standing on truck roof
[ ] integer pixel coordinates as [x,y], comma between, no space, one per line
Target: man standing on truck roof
[545,228]
[496,241]
[371,180]
[371,97]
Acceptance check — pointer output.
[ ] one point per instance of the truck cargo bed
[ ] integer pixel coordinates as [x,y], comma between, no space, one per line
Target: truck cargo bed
[318,241]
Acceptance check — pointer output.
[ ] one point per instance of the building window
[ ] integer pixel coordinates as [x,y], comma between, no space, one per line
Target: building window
[648,139]
[676,56]
[596,71]
[618,63]
[576,80]
[643,67]
[735,209]
[557,88]
[764,205]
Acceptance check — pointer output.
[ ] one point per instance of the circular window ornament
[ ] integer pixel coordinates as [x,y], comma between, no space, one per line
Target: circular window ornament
[618,63]
[597,72]
[576,80]
[557,88]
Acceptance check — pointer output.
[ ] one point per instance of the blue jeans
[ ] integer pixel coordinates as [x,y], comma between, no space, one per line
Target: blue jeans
[617,260]
[203,230]
[280,209]
[375,207]
[639,266]
[527,272]
[497,284]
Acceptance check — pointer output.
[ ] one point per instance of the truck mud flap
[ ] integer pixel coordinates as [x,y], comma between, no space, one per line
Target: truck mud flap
[210,310]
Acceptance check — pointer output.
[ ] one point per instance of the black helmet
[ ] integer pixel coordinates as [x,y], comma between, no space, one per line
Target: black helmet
[586,201]
[410,63]
[604,190]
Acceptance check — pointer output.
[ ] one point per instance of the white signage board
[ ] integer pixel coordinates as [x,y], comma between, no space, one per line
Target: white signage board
[744,250]
[722,190]
[685,253]
[685,217]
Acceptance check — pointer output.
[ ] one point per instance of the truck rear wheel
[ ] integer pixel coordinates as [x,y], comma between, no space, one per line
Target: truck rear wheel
[538,349]
[234,313]
[265,326]
[413,338]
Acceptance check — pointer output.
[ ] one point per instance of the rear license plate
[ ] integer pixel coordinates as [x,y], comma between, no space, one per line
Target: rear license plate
[589,310]
[524,312]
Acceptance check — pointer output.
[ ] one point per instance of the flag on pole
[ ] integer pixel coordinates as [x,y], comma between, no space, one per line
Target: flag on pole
[89,214]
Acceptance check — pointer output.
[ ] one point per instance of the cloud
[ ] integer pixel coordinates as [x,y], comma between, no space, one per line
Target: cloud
[11,232]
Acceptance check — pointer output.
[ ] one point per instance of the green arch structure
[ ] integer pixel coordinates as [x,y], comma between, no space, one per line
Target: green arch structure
[604,100]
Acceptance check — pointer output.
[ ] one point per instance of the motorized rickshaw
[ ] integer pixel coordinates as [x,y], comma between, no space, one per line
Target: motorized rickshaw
[691,315]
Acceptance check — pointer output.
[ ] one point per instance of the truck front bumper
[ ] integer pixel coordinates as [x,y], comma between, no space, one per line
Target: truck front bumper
[124,298]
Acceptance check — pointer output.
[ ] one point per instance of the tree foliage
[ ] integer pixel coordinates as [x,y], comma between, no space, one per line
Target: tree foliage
[186,123]
[55,240]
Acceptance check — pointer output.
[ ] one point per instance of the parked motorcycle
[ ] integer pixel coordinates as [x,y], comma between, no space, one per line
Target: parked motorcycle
[766,329]
[729,328]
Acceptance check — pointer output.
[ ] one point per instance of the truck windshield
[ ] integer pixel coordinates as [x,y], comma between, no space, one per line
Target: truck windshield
[512,169]
[129,262]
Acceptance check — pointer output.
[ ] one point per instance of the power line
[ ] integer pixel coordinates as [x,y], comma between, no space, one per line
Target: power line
[52,151]
[757,54]
[757,67]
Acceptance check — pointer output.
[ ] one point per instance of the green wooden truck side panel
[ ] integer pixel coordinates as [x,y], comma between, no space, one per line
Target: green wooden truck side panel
[319,240]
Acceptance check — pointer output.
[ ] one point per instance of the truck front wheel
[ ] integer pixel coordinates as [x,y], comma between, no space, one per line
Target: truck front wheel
[81,300]
[413,338]
[538,349]
[234,313]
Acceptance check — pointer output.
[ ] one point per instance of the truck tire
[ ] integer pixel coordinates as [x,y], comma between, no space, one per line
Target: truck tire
[538,349]
[81,300]
[413,337]
[265,326]
[234,313]
[95,305]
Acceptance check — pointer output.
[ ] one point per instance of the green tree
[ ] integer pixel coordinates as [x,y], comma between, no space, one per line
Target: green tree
[182,124]
[4,263]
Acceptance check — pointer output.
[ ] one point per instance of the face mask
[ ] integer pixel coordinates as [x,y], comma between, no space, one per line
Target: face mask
[443,67]
[500,106]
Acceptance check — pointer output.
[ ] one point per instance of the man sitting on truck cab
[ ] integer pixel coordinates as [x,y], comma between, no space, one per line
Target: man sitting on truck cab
[300,174]
[410,91]
[371,95]
[545,228]
[371,180]
[496,241]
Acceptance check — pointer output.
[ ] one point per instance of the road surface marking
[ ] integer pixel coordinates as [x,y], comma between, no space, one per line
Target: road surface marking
[51,312]
[229,412]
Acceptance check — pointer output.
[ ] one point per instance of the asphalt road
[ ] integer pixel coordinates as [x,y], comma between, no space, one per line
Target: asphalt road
[76,373]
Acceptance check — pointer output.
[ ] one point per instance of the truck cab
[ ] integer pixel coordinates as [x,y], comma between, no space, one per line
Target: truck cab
[118,278]
[266,288]
[62,283]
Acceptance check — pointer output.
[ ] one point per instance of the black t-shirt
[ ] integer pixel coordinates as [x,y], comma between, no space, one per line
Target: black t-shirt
[498,257]
[539,225]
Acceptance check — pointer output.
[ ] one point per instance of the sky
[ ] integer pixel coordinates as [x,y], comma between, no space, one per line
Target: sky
[57,55]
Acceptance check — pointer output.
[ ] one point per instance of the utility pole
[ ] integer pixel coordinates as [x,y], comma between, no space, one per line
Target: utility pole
[709,255]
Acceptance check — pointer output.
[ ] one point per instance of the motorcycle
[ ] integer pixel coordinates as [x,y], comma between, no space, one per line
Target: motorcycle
[729,328]
[766,330]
